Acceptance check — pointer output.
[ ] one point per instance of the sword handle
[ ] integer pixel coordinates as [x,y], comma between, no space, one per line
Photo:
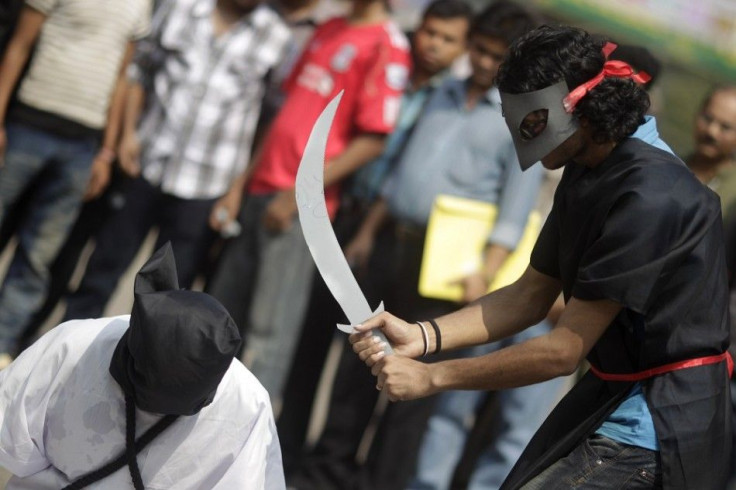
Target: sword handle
[377,333]
[388,350]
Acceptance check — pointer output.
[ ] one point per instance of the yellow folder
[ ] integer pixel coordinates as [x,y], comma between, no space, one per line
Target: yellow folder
[457,234]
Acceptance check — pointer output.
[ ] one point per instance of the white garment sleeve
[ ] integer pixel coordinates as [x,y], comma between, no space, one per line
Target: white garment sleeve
[25,388]
[258,465]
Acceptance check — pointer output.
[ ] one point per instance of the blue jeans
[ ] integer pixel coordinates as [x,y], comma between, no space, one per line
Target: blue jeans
[63,166]
[602,463]
[521,412]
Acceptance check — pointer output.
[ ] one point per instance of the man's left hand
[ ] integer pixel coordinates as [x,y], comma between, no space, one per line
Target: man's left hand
[99,175]
[279,215]
[403,378]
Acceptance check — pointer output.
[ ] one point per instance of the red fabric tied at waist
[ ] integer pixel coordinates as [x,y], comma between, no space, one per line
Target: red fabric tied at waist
[674,366]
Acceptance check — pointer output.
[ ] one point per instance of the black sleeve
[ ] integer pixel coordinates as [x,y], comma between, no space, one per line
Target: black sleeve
[642,238]
[545,256]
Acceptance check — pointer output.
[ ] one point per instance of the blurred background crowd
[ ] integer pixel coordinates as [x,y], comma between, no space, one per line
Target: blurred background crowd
[125,124]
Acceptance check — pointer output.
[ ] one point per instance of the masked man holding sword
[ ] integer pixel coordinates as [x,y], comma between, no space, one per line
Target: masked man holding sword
[634,242]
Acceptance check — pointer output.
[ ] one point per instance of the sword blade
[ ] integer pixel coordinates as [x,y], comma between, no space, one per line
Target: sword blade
[316,225]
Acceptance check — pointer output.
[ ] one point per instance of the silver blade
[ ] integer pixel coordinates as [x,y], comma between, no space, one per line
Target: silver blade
[316,226]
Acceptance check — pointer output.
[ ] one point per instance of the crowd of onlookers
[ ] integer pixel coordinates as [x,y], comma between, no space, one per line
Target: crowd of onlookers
[191,116]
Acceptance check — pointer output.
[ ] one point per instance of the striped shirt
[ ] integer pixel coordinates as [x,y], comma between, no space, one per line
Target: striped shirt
[78,56]
[204,95]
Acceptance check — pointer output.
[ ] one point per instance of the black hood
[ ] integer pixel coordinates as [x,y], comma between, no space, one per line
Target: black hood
[178,346]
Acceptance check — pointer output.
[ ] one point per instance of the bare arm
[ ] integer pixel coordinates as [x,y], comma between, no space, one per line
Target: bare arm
[101,167]
[361,150]
[555,354]
[116,113]
[501,313]
[360,247]
[494,316]
[135,97]
[130,147]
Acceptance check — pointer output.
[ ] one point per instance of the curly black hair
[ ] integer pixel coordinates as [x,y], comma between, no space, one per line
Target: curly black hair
[449,9]
[614,109]
[505,21]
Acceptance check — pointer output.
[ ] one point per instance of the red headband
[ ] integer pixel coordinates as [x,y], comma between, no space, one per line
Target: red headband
[613,68]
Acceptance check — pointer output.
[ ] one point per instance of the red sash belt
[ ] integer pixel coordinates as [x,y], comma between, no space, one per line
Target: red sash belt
[700,361]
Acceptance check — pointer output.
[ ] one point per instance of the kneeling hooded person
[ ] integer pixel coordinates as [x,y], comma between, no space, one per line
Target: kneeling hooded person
[159,392]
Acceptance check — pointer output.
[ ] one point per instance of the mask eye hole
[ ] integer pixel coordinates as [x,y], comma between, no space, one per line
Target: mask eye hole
[533,124]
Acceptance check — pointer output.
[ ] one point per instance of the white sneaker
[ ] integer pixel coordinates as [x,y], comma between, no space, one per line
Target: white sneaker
[5,360]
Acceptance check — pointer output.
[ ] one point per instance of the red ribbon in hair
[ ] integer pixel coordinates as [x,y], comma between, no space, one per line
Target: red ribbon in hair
[614,68]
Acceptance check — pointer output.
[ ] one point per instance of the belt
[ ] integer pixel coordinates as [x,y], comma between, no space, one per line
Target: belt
[674,366]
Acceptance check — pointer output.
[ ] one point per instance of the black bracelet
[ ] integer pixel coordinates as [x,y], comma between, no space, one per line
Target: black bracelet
[437,335]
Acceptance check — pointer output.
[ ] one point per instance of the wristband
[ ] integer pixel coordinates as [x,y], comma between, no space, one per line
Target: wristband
[437,335]
[425,338]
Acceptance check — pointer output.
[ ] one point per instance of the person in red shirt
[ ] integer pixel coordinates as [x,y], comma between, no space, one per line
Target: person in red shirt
[265,275]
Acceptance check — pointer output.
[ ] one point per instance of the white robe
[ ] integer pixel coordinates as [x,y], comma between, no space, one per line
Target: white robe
[63,415]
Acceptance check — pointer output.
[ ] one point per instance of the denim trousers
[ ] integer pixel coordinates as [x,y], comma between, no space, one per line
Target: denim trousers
[602,463]
[60,169]
[264,279]
[520,413]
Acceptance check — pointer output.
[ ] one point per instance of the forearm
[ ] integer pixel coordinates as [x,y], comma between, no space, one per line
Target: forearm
[557,353]
[361,150]
[533,361]
[499,314]
[374,219]
[133,104]
[116,111]
[115,116]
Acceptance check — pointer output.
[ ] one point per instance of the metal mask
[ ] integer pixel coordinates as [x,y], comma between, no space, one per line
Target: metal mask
[538,121]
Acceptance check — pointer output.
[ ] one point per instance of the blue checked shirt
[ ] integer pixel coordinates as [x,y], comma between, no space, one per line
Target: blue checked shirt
[466,153]
[368,180]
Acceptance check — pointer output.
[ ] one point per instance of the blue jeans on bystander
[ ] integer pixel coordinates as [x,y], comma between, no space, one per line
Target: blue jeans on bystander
[63,166]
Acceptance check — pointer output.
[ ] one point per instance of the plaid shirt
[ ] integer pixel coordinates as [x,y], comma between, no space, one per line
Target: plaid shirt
[203,94]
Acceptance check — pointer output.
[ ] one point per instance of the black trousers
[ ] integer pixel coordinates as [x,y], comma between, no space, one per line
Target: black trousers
[183,222]
[392,276]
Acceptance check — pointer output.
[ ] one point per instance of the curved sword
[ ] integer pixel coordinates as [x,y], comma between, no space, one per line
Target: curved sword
[317,229]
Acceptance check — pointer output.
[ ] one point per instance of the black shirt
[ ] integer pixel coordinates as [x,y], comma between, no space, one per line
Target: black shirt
[641,230]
